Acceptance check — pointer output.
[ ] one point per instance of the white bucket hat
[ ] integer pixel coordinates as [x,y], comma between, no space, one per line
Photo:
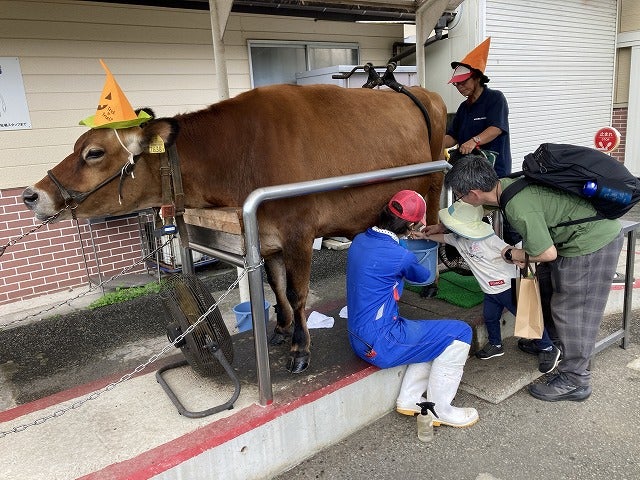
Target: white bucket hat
[466,221]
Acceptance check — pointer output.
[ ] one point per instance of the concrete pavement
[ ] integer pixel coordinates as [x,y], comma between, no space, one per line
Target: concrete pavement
[520,438]
[517,437]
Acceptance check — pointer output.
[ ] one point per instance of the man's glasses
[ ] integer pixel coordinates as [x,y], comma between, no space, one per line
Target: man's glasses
[457,196]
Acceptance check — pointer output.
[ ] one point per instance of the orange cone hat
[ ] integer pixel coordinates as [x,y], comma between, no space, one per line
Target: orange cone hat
[114,110]
[476,59]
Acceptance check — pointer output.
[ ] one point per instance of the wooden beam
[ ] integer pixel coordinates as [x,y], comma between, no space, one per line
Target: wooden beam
[217,228]
[400,4]
[228,219]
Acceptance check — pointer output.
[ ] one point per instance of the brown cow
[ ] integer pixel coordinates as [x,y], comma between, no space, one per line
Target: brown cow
[267,136]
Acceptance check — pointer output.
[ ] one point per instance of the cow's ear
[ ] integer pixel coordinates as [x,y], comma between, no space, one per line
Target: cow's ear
[165,128]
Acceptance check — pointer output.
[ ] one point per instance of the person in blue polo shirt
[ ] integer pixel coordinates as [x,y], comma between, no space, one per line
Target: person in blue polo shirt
[434,350]
[482,120]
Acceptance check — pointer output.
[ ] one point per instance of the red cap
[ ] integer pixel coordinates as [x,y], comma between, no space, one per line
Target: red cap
[460,74]
[412,206]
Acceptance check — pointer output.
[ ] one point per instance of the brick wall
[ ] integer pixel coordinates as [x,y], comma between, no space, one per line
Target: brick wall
[51,259]
[619,122]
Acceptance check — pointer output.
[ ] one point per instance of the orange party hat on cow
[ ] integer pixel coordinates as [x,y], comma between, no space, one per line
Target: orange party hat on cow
[114,110]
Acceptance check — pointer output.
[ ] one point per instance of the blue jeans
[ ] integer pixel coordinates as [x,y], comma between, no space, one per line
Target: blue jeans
[492,309]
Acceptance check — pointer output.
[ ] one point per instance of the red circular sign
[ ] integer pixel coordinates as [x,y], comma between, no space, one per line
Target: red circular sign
[606,139]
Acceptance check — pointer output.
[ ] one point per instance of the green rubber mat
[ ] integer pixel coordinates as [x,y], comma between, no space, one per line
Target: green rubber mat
[461,290]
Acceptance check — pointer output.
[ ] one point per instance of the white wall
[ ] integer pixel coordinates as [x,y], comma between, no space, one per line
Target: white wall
[628,77]
[554,61]
[464,34]
[556,67]
[162,58]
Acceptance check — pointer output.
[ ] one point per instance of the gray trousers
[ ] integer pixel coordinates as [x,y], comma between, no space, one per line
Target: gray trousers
[574,293]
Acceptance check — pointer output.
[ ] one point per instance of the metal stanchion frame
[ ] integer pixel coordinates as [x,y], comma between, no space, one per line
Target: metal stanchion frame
[252,258]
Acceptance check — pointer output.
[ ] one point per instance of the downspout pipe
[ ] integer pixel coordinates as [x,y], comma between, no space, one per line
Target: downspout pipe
[219,57]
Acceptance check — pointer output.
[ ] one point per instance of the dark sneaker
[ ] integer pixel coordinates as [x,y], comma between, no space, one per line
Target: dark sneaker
[490,351]
[548,359]
[528,346]
[559,388]
[618,278]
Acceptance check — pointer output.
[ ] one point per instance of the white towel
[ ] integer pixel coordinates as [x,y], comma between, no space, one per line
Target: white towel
[319,320]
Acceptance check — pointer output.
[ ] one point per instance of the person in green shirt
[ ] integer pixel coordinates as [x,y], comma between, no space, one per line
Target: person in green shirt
[576,265]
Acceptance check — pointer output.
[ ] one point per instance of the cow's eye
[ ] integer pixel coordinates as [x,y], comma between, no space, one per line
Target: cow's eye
[94,154]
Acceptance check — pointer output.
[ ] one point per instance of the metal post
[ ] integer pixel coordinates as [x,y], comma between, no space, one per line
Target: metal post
[622,334]
[95,254]
[427,15]
[187,260]
[219,56]
[628,285]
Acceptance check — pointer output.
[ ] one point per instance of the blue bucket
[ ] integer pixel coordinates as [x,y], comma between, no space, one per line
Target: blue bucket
[244,319]
[426,251]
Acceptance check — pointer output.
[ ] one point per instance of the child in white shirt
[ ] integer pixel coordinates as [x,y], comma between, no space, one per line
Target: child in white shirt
[481,248]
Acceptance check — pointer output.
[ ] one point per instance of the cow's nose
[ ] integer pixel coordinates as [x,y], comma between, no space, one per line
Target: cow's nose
[30,197]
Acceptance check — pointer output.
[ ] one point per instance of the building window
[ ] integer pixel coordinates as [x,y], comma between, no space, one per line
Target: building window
[278,62]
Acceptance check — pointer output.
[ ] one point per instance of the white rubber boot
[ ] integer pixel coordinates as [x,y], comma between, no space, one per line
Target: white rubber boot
[414,384]
[444,380]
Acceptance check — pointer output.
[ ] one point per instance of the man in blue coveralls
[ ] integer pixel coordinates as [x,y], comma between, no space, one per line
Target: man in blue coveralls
[434,350]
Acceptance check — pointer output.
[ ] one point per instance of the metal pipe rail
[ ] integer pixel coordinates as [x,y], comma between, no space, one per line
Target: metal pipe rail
[622,334]
[252,243]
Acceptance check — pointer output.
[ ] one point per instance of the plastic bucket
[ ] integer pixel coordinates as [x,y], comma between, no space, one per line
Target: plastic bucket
[426,251]
[244,319]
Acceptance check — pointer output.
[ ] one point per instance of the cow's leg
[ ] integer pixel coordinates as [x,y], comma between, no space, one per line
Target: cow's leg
[277,278]
[298,266]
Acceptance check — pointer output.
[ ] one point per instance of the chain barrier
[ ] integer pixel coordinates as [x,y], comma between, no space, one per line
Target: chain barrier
[139,368]
[92,287]
[48,220]
[96,394]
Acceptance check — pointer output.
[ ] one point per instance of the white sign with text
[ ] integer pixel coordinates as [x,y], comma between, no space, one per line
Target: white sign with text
[14,112]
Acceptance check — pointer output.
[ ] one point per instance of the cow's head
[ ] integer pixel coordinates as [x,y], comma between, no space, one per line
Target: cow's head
[110,172]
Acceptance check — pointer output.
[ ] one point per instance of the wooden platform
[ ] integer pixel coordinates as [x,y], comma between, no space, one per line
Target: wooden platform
[217,228]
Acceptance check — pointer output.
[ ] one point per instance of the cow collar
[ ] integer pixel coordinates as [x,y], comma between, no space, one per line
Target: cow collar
[171,178]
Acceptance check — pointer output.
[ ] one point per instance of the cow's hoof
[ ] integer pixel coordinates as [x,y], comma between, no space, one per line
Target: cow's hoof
[298,362]
[277,338]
